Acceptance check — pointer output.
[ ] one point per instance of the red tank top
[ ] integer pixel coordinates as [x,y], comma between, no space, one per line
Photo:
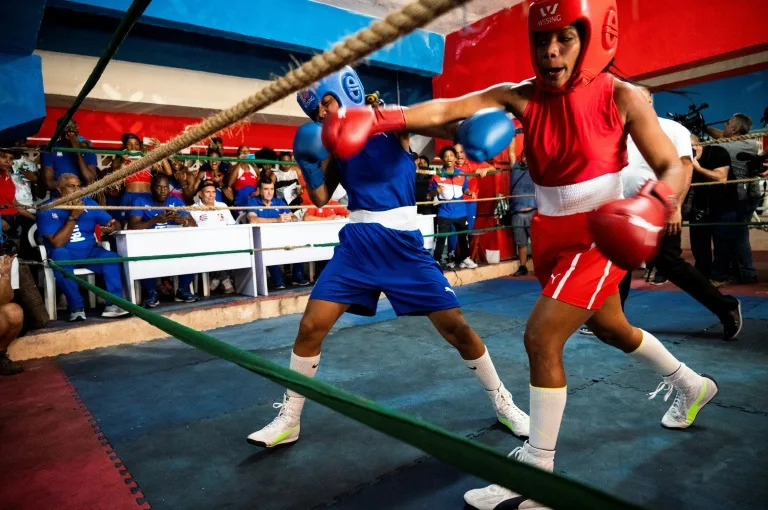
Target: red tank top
[247,177]
[142,176]
[574,136]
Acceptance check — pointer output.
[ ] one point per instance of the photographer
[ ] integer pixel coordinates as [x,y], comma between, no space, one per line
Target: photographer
[738,203]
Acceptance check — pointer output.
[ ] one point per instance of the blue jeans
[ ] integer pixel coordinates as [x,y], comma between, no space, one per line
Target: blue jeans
[150,284]
[113,277]
[276,273]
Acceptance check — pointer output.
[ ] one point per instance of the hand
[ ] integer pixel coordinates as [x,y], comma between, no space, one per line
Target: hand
[71,137]
[254,194]
[163,217]
[285,217]
[6,226]
[675,223]
[483,171]
[217,177]
[76,213]
[698,149]
[30,176]
[109,228]
[299,191]
[440,189]
[5,265]
[346,132]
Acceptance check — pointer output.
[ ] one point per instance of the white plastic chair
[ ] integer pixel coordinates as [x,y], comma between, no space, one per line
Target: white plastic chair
[48,280]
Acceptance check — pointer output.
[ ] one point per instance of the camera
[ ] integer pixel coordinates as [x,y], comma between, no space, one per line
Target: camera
[8,248]
[693,120]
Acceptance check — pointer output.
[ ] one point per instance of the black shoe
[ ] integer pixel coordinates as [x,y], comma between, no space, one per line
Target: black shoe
[8,367]
[658,279]
[732,322]
[521,271]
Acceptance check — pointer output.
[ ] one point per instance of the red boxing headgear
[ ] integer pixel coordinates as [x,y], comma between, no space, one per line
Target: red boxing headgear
[600,21]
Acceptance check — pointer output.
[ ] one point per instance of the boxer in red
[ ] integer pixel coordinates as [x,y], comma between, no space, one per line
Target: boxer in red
[576,118]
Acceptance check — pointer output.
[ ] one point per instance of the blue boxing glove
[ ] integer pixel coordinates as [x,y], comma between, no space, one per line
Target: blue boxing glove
[309,153]
[485,134]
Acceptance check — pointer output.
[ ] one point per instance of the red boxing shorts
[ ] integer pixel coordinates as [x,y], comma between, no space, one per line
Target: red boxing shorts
[567,263]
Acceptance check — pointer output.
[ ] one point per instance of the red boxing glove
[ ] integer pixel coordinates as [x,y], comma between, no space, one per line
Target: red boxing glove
[628,231]
[346,132]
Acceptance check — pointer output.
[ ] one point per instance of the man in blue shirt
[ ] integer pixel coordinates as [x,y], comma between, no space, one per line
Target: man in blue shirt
[523,209]
[69,235]
[57,163]
[141,219]
[267,197]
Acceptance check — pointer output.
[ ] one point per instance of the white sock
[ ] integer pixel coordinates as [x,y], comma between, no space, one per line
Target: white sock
[485,371]
[547,406]
[653,353]
[306,366]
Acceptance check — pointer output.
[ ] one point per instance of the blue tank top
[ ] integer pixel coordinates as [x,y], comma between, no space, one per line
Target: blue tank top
[521,184]
[381,177]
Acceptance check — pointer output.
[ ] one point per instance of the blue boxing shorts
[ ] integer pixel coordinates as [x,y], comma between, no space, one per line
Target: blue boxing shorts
[372,259]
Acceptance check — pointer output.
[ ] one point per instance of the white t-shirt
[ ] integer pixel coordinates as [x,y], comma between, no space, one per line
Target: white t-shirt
[637,171]
[214,219]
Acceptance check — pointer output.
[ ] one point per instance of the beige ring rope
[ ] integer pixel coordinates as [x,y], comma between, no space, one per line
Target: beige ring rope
[737,138]
[353,48]
[252,207]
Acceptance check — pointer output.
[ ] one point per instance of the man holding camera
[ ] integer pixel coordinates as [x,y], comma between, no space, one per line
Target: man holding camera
[737,202]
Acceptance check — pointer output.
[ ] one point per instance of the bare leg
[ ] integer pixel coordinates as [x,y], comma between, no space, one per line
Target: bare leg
[452,325]
[455,329]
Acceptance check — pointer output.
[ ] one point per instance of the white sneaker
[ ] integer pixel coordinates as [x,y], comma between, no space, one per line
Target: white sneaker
[468,263]
[284,428]
[694,391]
[490,497]
[215,284]
[508,413]
[228,287]
[113,311]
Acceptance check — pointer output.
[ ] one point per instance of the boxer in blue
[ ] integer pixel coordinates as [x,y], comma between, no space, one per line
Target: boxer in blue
[381,250]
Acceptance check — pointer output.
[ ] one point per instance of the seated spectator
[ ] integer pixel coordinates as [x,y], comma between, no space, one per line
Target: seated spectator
[213,172]
[56,163]
[69,235]
[267,198]
[452,211]
[243,178]
[287,185]
[523,209]
[330,211]
[12,226]
[11,314]
[266,169]
[141,219]
[214,219]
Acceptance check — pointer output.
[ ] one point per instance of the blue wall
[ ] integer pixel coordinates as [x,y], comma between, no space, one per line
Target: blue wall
[747,94]
[295,25]
[88,34]
[22,103]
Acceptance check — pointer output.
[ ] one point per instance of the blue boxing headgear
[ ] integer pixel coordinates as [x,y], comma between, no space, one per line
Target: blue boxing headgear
[344,86]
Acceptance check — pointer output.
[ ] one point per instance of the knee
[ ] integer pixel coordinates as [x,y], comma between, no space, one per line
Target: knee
[619,338]
[13,314]
[312,329]
[458,332]
[540,346]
